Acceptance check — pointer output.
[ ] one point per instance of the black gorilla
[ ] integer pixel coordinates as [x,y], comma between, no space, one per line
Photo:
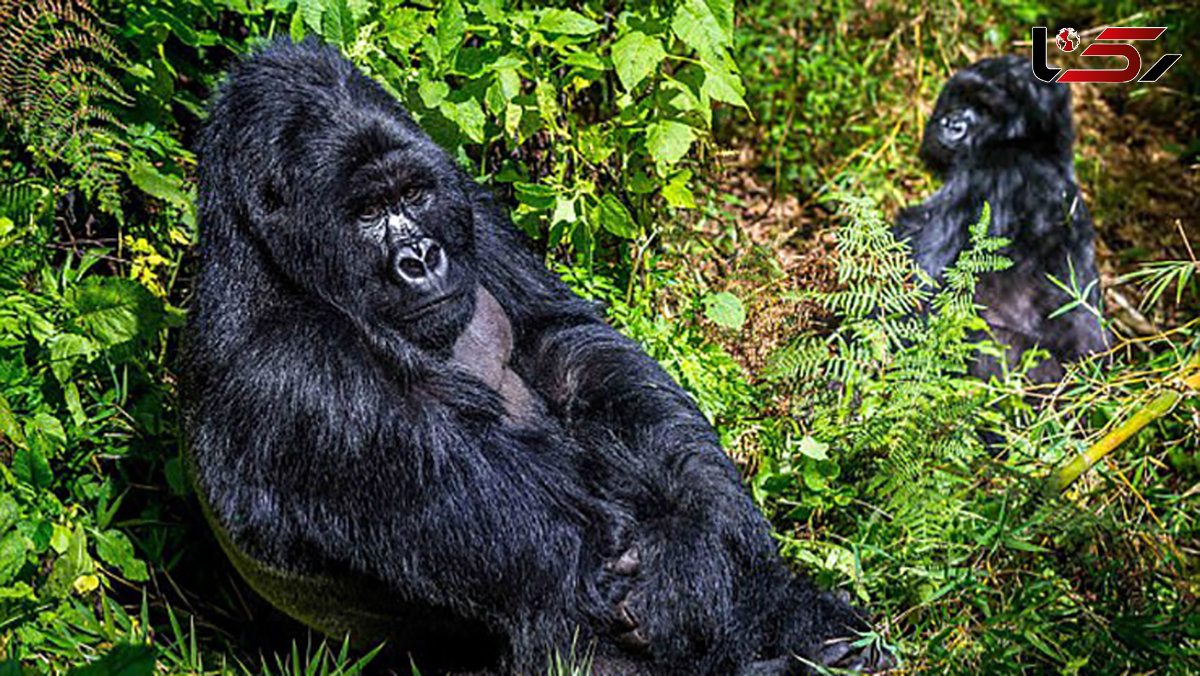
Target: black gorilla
[1002,136]
[403,427]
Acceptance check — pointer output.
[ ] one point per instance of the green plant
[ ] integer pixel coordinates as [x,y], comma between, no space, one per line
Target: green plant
[589,114]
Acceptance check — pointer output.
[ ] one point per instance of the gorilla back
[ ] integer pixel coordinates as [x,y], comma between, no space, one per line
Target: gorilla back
[401,426]
[999,135]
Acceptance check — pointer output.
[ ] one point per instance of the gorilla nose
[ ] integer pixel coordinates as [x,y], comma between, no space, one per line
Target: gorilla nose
[422,263]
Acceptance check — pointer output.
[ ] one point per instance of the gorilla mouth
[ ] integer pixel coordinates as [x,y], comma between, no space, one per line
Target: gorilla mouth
[422,310]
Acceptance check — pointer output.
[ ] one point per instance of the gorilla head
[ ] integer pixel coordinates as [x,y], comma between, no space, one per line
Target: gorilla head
[359,207]
[996,106]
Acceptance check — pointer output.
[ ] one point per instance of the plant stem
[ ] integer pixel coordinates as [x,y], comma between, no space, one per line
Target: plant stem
[1158,407]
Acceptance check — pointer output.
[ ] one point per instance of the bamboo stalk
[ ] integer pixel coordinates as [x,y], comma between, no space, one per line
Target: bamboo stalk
[1158,407]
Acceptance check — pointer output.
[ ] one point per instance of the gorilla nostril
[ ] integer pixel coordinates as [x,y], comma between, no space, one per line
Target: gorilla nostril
[433,255]
[411,267]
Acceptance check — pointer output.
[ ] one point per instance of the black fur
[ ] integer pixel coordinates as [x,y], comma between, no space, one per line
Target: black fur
[479,482]
[1000,135]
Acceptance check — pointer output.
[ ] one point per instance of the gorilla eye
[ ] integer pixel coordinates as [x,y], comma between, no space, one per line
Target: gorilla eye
[370,214]
[954,127]
[412,194]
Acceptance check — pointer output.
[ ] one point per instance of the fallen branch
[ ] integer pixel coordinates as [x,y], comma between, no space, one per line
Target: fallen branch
[1158,407]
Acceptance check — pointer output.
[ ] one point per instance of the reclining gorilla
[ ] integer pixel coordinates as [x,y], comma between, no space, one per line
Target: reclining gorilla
[403,427]
[999,135]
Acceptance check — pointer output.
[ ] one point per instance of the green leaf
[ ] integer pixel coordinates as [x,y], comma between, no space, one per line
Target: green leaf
[9,511]
[725,309]
[535,195]
[8,423]
[296,30]
[433,92]
[585,60]
[566,22]
[115,549]
[337,23]
[468,116]
[29,466]
[668,141]
[564,211]
[70,565]
[677,193]
[635,56]
[74,405]
[615,218]
[48,426]
[722,83]
[122,660]
[360,9]
[695,24]
[313,11]
[114,310]
[405,26]
[12,556]
[812,448]
[150,181]
[65,350]
[451,27]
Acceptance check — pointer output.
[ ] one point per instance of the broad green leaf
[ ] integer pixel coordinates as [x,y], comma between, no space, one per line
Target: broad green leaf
[677,193]
[359,9]
[48,426]
[725,309]
[122,660]
[566,22]
[9,511]
[313,11]
[696,25]
[405,26]
[585,60]
[114,310]
[535,195]
[635,56]
[74,405]
[812,448]
[115,549]
[8,423]
[722,83]
[296,30]
[614,217]
[564,210]
[65,350]
[433,92]
[468,116]
[337,24]
[668,141]
[451,26]
[29,465]
[547,102]
[13,547]
[152,182]
[70,564]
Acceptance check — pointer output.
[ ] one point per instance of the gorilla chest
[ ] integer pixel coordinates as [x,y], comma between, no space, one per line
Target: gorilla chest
[484,349]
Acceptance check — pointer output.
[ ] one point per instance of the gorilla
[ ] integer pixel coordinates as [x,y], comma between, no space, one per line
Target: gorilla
[402,427]
[1001,136]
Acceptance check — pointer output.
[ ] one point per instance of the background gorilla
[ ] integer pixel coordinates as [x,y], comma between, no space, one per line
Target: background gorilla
[402,426]
[999,135]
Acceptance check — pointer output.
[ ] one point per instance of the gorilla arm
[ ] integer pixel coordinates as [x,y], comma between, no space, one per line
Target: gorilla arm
[323,458]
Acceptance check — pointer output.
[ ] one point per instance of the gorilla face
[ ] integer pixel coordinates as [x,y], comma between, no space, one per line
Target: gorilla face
[996,103]
[410,227]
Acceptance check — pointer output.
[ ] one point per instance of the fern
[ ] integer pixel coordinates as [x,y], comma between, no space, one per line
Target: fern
[886,390]
[57,96]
